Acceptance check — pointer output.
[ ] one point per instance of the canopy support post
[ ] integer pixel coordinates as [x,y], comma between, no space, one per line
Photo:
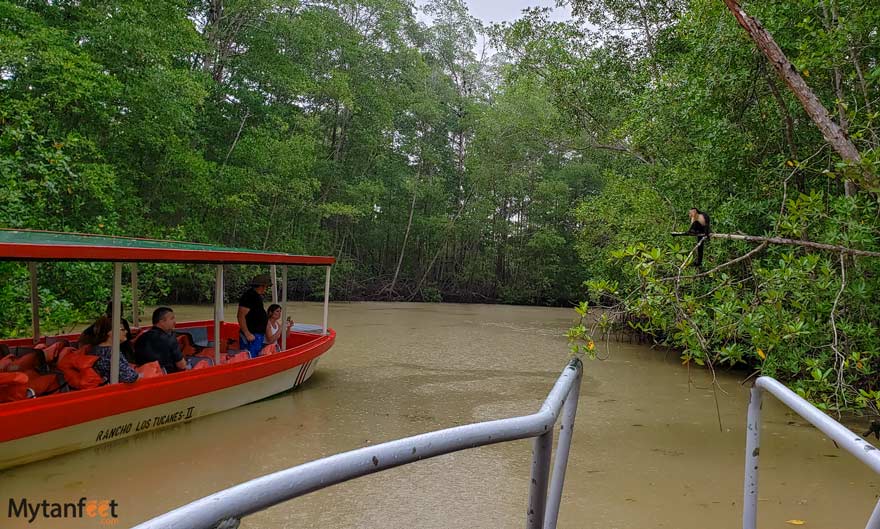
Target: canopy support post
[115,322]
[273,272]
[218,312]
[284,328]
[326,300]
[35,302]
[135,314]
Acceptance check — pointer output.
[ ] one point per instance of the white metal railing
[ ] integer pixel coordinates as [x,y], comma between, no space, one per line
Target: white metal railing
[840,434]
[224,509]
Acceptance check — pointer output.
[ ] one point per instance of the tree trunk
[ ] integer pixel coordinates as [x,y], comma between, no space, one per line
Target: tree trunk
[831,24]
[832,133]
[412,208]
[442,246]
[649,41]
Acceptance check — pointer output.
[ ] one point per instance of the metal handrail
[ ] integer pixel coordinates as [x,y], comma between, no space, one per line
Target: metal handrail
[224,509]
[839,433]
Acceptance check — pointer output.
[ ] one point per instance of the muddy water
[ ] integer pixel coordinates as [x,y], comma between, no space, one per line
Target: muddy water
[647,449]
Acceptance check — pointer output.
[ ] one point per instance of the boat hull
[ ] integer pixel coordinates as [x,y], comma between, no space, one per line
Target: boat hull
[48,426]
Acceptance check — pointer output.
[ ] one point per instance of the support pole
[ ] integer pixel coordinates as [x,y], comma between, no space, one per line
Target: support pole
[284,328]
[541,450]
[115,322]
[135,309]
[273,271]
[753,448]
[326,300]
[874,521]
[563,446]
[218,312]
[35,303]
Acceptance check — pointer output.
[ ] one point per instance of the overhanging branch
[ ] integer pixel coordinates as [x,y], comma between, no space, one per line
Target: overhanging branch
[795,242]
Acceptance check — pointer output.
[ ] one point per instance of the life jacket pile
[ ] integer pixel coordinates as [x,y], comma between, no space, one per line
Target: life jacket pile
[38,367]
[13,386]
[78,369]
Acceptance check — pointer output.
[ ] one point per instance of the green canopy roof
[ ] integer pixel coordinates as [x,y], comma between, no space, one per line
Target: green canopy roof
[26,245]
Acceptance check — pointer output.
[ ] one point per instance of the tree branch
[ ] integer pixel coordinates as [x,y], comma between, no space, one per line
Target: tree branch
[722,266]
[795,242]
[832,133]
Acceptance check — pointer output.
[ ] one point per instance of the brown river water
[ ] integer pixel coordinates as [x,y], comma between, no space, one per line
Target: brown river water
[647,450]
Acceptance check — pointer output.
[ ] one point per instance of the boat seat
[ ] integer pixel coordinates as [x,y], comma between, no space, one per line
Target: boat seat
[22,359]
[199,362]
[187,346]
[55,339]
[22,350]
[237,356]
[306,327]
[199,336]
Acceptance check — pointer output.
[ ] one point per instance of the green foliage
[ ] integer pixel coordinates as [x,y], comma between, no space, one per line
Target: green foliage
[700,119]
[351,128]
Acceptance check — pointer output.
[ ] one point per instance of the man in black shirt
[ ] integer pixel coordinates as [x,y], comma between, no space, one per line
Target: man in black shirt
[160,344]
[252,317]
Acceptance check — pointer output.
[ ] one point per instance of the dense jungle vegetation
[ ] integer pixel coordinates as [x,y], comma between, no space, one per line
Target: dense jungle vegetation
[548,170]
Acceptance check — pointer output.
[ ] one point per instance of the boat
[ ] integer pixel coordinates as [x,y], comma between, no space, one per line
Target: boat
[45,426]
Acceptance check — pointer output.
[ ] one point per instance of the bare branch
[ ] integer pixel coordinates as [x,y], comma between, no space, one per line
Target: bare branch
[795,242]
[722,266]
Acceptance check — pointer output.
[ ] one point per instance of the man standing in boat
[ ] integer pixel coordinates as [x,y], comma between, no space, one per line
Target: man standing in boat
[252,316]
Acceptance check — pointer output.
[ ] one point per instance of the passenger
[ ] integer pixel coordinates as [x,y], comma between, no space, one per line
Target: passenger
[252,317]
[125,346]
[101,341]
[274,327]
[159,344]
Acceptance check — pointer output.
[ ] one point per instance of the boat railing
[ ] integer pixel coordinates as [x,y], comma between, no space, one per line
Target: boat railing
[226,508]
[838,433]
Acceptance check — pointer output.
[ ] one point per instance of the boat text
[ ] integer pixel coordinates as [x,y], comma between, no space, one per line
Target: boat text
[145,424]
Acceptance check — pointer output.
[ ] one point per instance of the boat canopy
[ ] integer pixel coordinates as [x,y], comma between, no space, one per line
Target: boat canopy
[33,246]
[27,245]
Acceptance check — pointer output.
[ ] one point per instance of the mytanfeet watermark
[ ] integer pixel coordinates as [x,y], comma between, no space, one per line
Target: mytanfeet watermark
[102,511]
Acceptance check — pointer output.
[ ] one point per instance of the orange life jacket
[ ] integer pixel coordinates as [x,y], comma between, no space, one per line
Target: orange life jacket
[78,369]
[51,352]
[150,370]
[30,360]
[13,386]
[43,384]
[202,364]
[237,357]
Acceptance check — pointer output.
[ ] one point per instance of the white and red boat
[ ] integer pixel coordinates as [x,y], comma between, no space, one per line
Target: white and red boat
[45,426]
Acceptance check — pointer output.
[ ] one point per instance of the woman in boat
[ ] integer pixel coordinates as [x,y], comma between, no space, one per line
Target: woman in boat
[101,345]
[273,330]
[125,347]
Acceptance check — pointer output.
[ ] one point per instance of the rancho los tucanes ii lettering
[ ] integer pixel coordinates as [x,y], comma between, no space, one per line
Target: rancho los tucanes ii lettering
[145,424]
